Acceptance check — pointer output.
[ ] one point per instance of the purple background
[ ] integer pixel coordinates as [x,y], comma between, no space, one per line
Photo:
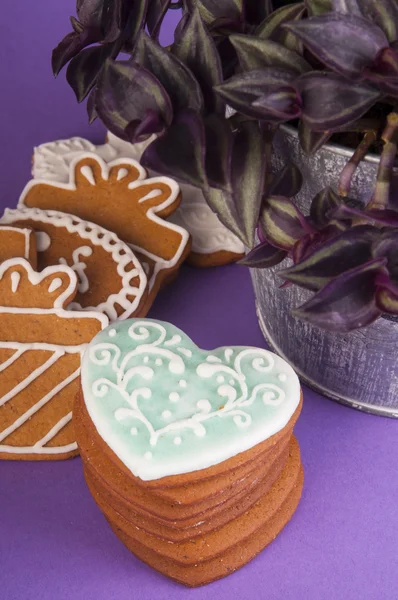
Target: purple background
[54,542]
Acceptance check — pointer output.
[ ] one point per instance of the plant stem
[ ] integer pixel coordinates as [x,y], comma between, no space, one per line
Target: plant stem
[390,133]
[381,197]
[349,170]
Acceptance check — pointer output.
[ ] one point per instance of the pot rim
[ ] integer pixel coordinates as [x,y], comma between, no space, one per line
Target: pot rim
[331,147]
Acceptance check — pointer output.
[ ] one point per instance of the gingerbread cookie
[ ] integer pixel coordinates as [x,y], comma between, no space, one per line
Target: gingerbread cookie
[189,454]
[18,242]
[212,243]
[119,197]
[111,278]
[41,345]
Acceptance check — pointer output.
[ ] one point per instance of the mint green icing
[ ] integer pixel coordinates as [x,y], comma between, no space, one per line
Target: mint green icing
[166,407]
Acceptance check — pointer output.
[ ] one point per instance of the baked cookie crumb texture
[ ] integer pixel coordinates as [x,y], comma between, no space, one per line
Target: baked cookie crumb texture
[189,454]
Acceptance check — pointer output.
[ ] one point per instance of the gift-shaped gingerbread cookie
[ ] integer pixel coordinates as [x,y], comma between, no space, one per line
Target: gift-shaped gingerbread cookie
[111,279]
[119,197]
[41,345]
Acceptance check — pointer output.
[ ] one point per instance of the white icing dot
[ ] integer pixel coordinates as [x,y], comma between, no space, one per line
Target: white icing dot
[166,414]
[200,432]
[282,377]
[146,359]
[203,405]
[43,241]
[174,396]
[158,362]
[177,440]
[228,353]
[112,332]
[220,379]
[148,455]
[183,383]
[232,382]
[134,431]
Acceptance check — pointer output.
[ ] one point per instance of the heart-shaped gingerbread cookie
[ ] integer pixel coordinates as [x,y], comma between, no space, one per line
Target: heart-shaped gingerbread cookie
[166,407]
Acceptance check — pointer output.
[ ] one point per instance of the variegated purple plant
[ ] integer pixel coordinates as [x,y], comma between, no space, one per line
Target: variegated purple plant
[330,66]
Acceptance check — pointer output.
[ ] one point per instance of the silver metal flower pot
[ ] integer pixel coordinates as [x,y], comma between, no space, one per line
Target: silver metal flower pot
[358,368]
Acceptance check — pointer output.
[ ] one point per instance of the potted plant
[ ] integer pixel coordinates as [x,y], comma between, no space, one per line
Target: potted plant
[217,102]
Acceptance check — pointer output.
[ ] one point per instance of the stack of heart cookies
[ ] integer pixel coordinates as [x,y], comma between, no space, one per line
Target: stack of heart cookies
[100,234]
[189,454]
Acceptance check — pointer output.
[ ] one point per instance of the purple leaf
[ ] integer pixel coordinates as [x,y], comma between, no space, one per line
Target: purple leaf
[157,10]
[270,28]
[76,25]
[266,94]
[382,218]
[311,141]
[91,110]
[223,204]
[286,182]
[319,7]
[282,223]
[196,49]
[149,124]
[178,81]
[383,13]
[256,12]
[345,43]
[305,246]
[329,101]
[125,94]
[346,7]
[386,246]
[180,152]
[70,46]
[111,20]
[83,70]
[263,256]
[89,12]
[384,71]
[345,303]
[248,171]
[324,202]
[214,10]
[219,143]
[387,301]
[134,23]
[343,252]
[255,53]
[248,175]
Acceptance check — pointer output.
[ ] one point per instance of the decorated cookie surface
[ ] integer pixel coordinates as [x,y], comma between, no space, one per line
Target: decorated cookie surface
[41,345]
[166,407]
[110,277]
[121,198]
